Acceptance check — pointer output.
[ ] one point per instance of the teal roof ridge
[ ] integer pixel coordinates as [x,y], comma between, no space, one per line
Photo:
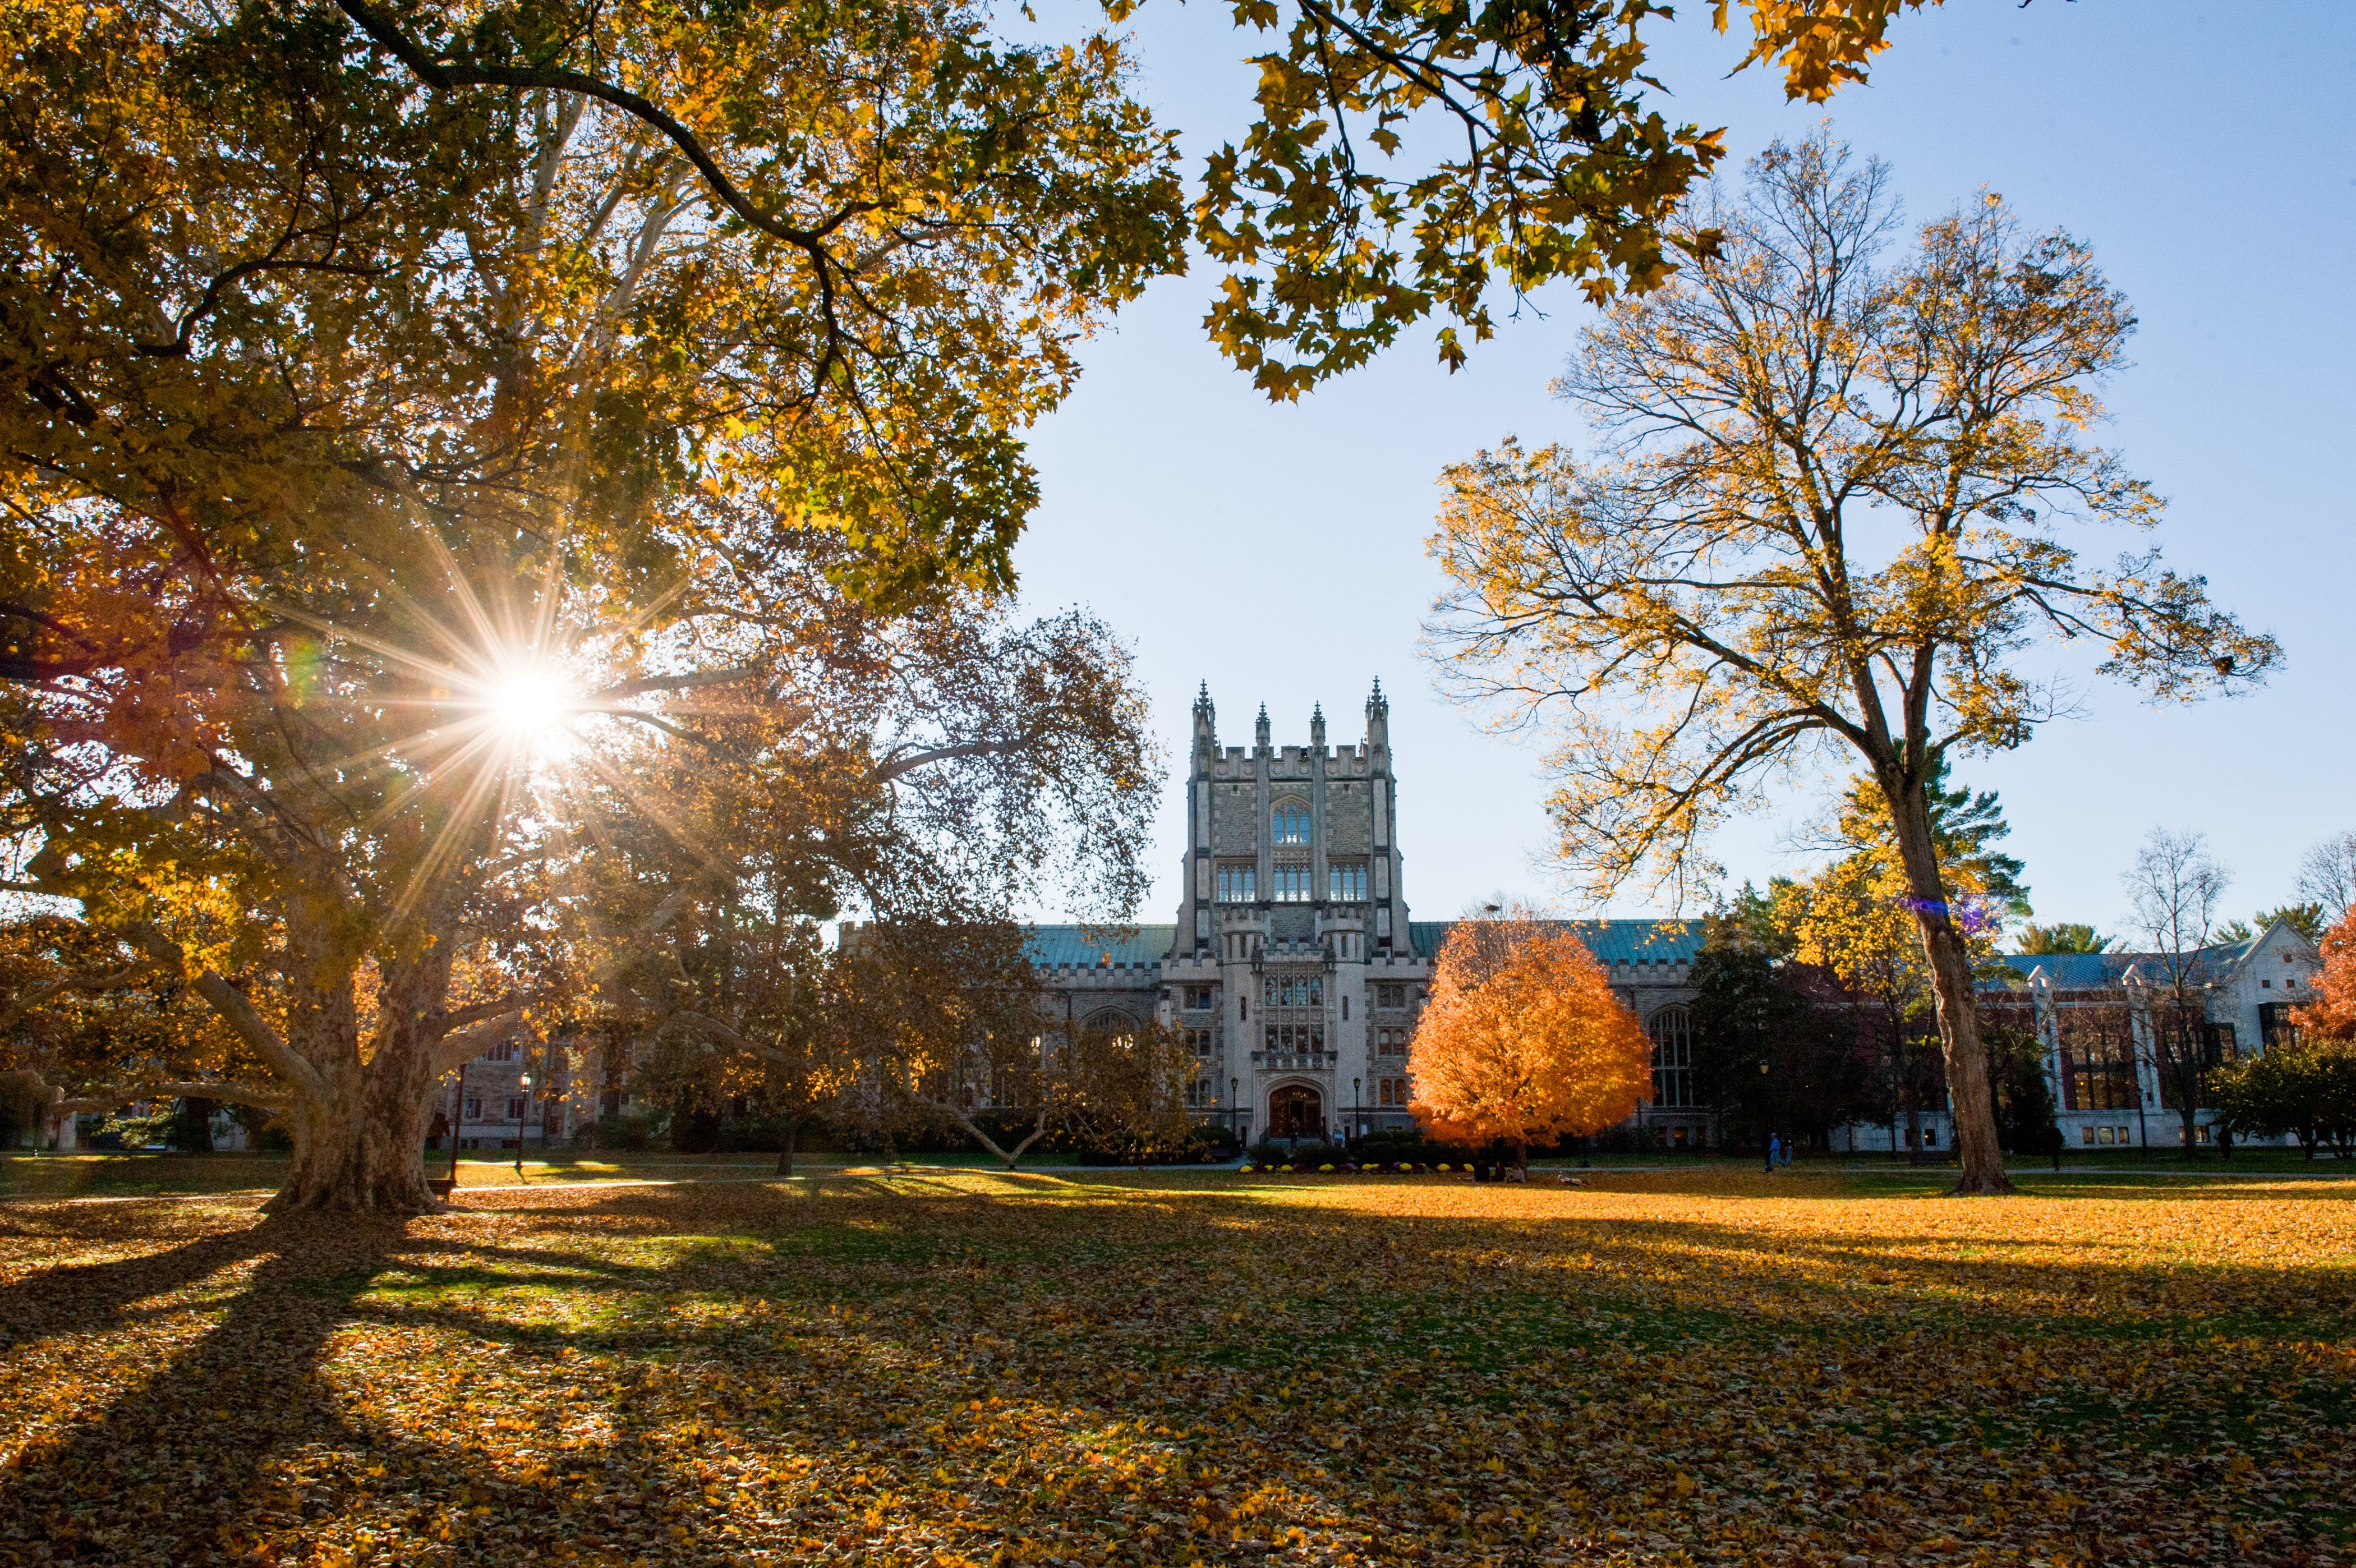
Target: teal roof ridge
[1100,947]
[1611,942]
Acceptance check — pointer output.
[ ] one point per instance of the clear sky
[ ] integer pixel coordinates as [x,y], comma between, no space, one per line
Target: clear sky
[2204,149]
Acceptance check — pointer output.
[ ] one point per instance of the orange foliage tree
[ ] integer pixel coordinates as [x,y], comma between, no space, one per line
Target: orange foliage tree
[2332,1013]
[1522,1040]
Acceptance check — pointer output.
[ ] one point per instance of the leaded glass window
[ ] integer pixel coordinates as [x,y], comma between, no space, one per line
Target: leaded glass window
[1671,1029]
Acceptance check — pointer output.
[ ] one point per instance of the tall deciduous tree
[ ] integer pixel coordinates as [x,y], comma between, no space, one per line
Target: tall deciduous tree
[1521,1040]
[2175,887]
[1826,520]
[2327,875]
[345,421]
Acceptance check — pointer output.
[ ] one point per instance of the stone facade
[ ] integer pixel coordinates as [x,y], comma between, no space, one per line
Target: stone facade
[1292,967]
[1297,975]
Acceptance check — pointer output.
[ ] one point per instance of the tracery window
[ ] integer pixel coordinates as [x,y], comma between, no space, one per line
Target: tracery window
[1237,883]
[1292,1010]
[1671,1029]
[1289,822]
[1345,882]
[1291,883]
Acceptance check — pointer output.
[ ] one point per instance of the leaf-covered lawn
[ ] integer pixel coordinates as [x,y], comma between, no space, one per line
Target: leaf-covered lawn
[961,1368]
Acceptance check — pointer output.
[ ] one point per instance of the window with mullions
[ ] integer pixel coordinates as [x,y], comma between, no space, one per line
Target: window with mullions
[1238,884]
[2098,1052]
[1289,883]
[1292,1011]
[1289,824]
[1671,1029]
[1345,882]
[1293,991]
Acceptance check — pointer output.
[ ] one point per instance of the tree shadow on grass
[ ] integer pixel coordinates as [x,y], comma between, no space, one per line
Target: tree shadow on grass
[658,1435]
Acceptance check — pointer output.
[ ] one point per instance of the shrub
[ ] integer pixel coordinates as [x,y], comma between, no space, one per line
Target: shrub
[1393,1143]
[634,1134]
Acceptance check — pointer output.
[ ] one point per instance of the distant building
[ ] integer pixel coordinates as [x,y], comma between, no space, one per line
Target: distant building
[1297,976]
[1293,969]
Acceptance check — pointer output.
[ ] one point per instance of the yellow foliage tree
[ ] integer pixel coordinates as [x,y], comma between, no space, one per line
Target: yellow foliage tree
[1828,516]
[1522,1040]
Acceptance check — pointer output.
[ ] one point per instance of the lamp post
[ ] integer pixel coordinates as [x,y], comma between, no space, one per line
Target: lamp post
[1235,1107]
[523,1109]
[1358,1107]
[457,1123]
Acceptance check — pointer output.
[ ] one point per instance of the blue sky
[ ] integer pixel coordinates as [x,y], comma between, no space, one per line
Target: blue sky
[2205,150]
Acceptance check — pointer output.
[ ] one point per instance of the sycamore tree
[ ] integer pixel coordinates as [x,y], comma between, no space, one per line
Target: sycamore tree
[1828,517]
[1521,1040]
[357,431]
[918,775]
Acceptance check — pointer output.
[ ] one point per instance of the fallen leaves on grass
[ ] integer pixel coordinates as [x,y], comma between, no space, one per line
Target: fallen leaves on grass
[969,1368]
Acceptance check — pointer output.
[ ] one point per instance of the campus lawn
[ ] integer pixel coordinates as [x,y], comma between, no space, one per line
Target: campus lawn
[956,1366]
[105,1173]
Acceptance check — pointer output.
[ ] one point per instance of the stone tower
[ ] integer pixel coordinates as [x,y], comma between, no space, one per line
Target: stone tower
[1291,966]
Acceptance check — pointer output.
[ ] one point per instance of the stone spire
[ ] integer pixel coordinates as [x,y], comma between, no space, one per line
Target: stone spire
[1259,730]
[1317,727]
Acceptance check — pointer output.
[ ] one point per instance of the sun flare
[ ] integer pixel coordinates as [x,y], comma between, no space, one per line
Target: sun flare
[528,703]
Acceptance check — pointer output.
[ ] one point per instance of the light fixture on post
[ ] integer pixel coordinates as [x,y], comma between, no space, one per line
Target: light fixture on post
[523,1109]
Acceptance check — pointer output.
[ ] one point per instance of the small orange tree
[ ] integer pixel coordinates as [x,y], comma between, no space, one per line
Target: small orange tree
[2332,1015]
[1522,1039]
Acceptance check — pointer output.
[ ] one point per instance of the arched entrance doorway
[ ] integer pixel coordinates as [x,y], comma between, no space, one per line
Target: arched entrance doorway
[1296,1110]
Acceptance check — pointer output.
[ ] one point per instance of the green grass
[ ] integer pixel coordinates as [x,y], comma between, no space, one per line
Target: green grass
[941,1366]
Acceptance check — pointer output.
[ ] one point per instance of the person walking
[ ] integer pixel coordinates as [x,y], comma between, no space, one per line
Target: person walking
[1774,1147]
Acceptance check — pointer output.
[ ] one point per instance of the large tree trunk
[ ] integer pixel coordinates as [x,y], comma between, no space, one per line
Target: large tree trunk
[359,1131]
[1949,959]
[362,1150]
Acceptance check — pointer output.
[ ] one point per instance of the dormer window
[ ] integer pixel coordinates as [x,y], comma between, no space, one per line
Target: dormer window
[1289,822]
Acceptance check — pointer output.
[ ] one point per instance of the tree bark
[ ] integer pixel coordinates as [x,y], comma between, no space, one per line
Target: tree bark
[1948,956]
[361,1148]
[785,1154]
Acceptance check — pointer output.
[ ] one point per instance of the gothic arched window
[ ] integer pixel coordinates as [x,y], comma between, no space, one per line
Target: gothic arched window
[1671,1030]
[1289,822]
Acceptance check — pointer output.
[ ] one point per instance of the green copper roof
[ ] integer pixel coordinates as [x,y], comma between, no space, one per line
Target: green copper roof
[1093,946]
[1611,942]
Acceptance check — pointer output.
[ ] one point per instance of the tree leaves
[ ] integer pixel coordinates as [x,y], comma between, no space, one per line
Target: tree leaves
[1522,1040]
[937,1369]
